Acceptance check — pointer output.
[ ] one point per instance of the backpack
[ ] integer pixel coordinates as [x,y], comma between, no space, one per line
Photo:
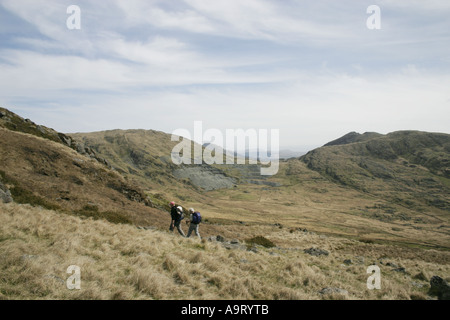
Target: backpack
[180,212]
[196,217]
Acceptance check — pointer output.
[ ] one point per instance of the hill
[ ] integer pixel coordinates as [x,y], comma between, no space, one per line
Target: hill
[325,190]
[99,201]
[41,168]
[408,167]
[352,137]
[120,262]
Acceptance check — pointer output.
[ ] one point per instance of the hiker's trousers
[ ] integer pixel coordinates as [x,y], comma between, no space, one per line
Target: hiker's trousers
[193,227]
[177,224]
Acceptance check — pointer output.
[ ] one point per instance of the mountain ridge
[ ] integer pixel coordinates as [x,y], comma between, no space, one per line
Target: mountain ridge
[348,185]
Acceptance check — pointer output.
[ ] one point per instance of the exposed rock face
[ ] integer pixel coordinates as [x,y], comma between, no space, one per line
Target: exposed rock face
[205,177]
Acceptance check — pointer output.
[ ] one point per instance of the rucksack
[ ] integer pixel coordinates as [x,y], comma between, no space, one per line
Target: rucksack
[196,217]
[180,212]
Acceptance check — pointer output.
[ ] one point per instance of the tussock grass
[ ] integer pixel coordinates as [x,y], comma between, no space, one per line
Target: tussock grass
[123,262]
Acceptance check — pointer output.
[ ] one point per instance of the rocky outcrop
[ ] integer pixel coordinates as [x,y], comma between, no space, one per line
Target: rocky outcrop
[12,121]
[205,177]
[5,194]
[439,288]
[316,252]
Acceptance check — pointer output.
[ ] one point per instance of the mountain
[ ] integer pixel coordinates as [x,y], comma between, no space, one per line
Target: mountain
[145,157]
[99,201]
[42,167]
[352,137]
[369,176]
[411,168]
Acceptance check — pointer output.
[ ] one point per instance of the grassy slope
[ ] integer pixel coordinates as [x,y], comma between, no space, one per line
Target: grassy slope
[367,206]
[51,175]
[123,262]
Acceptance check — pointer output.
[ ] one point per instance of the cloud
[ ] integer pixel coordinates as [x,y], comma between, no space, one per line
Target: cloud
[312,70]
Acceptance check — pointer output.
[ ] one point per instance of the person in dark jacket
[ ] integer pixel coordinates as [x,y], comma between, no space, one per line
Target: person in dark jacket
[176,213]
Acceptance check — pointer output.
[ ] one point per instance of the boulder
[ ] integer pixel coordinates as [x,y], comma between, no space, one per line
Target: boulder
[439,288]
[253,249]
[5,194]
[399,269]
[316,252]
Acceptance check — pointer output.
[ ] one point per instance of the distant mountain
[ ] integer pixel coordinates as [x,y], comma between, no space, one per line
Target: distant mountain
[410,167]
[287,154]
[353,137]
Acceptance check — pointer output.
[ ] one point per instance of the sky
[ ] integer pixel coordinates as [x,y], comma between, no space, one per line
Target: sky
[313,70]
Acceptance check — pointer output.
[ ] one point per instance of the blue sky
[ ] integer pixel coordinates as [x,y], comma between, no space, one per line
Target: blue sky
[311,69]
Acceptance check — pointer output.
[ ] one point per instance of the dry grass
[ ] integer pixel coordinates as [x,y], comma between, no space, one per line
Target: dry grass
[123,262]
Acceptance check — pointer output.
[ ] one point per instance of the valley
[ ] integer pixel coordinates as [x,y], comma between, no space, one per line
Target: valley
[100,200]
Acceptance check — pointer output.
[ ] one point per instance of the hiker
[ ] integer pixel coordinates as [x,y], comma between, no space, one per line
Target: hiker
[176,213]
[195,219]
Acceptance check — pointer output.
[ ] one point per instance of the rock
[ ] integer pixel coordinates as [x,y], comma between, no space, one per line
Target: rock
[26,257]
[5,194]
[316,252]
[230,246]
[5,197]
[234,241]
[253,249]
[348,261]
[439,288]
[326,291]
[421,276]
[391,264]
[206,177]
[399,269]
[360,259]
[220,239]
[56,278]
[417,284]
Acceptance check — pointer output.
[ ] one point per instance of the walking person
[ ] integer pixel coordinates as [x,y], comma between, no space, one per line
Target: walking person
[176,213]
[194,220]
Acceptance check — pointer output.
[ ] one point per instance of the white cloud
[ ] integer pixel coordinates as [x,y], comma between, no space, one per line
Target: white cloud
[310,69]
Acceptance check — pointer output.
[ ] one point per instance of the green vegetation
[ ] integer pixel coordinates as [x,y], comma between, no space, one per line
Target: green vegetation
[260,240]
